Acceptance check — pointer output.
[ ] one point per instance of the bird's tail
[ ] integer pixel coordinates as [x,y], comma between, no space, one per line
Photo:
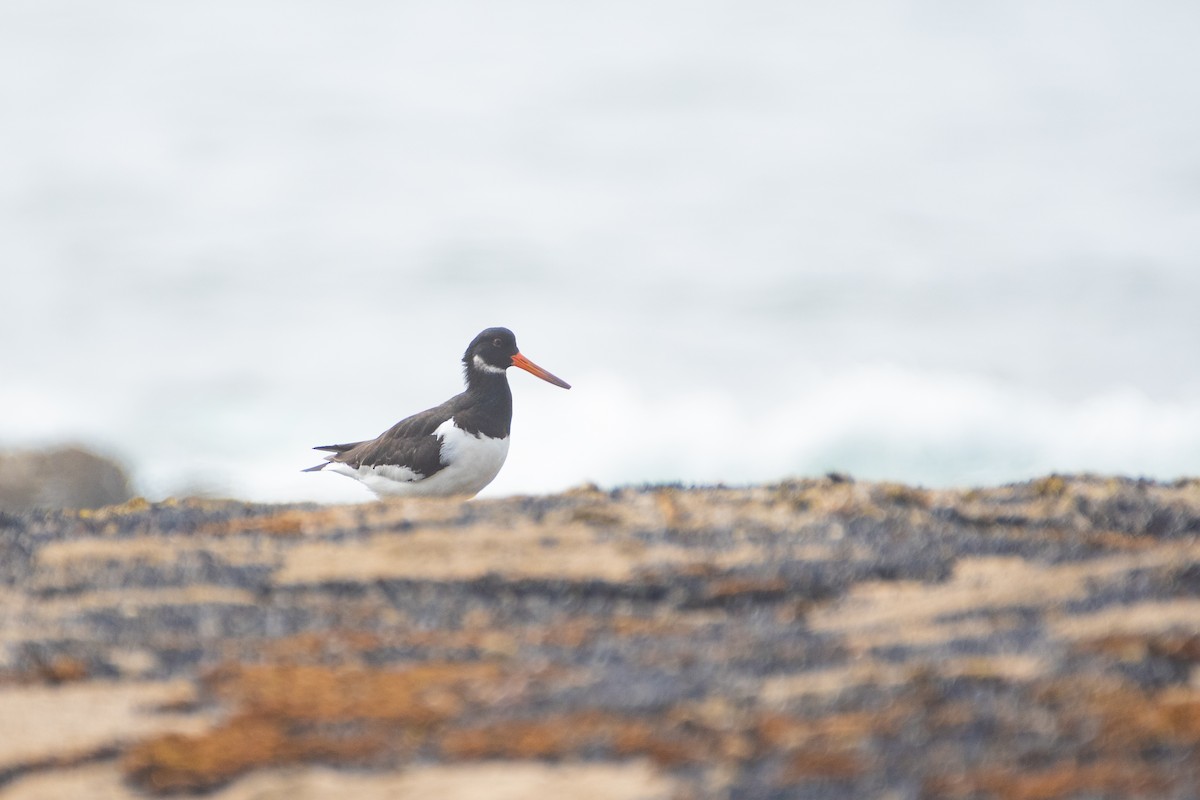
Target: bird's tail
[338,448]
[332,448]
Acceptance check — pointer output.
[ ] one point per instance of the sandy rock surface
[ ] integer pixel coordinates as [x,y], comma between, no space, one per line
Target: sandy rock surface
[824,639]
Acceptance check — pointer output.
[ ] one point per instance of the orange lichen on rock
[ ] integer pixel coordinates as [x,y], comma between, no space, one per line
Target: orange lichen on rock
[573,735]
[292,522]
[296,713]
[1060,782]
[420,695]
[175,762]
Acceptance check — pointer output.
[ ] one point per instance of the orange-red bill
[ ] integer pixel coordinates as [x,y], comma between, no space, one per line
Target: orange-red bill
[533,369]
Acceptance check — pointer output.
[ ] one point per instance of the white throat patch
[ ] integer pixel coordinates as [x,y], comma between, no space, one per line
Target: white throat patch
[483,366]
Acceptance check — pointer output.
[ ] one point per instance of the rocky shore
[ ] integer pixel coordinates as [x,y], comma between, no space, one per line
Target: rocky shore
[818,638]
[62,477]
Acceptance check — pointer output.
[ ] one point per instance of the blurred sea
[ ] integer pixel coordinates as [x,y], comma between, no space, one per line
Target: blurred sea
[936,242]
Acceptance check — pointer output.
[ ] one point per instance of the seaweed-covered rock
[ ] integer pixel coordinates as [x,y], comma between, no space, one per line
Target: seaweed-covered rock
[817,638]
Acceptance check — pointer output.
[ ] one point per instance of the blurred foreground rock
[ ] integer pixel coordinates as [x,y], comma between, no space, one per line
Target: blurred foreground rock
[66,477]
[821,639]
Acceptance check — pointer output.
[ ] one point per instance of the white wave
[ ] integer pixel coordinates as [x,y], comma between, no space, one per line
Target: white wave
[877,422]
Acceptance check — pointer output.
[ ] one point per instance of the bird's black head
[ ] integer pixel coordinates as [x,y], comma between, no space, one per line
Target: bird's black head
[492,348]
[495,350]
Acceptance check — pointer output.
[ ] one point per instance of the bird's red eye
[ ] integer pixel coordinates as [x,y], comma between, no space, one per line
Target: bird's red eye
[496,342]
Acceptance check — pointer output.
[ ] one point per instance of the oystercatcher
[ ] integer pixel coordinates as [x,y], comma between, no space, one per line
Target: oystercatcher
[456,448]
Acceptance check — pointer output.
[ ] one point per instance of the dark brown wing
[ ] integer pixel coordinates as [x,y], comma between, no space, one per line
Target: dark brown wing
[409,443]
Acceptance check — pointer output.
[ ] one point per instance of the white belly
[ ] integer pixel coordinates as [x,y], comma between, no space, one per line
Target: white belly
[472,462]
